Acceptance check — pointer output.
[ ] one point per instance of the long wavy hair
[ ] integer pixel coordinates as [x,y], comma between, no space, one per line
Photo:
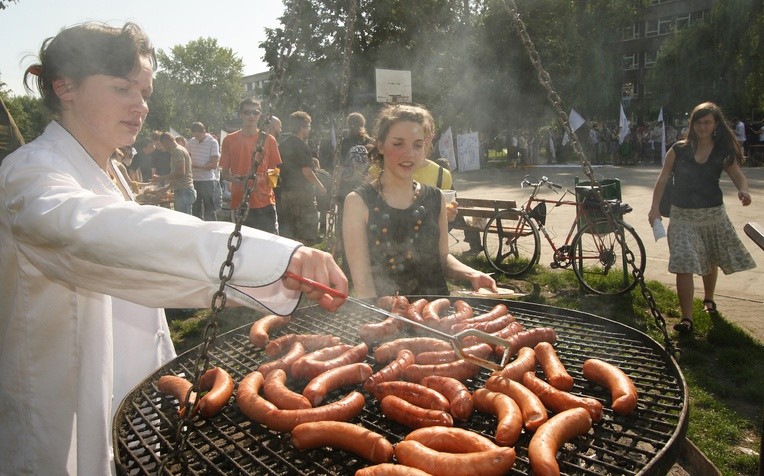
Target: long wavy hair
[723,136]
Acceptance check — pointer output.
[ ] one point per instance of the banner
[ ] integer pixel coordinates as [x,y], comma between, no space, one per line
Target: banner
[624,127]
[446,147]
[468,151]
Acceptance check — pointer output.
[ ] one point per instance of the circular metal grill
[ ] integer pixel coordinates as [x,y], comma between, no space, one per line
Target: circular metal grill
[646,442]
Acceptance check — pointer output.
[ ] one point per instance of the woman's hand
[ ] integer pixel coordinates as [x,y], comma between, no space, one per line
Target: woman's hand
[654,214]
[745,198]
[320,267]
[480,280]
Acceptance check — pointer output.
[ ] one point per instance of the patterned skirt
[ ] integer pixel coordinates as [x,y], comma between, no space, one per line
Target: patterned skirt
[703,238]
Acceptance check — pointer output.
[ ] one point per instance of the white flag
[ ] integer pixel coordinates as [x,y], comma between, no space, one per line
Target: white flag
[624,124]
[334,137]
[663,137]
[446,147]
[552,152]
[575,120]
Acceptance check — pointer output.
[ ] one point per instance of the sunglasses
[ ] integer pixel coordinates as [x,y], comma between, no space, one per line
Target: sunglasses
[251,113]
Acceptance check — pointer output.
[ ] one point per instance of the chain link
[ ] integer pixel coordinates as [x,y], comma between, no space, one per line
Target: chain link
[554,99]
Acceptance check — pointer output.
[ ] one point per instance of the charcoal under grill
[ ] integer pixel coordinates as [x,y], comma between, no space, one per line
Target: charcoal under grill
[646,442]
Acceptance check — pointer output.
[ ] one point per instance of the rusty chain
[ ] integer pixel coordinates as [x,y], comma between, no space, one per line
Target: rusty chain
[556,103]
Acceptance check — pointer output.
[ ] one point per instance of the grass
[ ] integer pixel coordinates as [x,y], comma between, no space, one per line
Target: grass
[723,365]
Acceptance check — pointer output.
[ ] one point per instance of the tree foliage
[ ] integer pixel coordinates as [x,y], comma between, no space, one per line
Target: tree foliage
[198,81]
[6,3]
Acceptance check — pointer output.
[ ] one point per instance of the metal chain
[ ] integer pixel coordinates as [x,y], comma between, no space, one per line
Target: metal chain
[554,99]
[219,298]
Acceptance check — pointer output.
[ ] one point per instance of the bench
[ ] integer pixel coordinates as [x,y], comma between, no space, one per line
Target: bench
[481,208]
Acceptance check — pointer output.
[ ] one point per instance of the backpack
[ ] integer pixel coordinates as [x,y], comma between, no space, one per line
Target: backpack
[352,169]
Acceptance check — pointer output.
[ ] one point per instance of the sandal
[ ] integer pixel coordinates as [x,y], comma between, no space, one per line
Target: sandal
[709,306]
[684,327]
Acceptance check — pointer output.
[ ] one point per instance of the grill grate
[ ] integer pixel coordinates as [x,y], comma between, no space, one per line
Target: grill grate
[646,442]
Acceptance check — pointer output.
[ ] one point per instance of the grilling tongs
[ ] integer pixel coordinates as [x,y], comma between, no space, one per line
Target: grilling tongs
[456,340]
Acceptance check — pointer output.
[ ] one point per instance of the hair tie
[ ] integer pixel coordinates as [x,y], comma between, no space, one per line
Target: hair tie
[35,69]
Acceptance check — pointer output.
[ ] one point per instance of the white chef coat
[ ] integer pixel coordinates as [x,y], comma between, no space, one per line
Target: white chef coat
[83,273]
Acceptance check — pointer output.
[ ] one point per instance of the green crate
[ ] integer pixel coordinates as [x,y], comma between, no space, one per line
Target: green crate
[610,190]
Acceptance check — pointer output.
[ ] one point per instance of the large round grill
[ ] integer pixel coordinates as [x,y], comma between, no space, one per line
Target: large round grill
[646,442]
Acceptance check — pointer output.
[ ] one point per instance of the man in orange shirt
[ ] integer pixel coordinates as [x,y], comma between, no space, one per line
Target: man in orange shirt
[236,160]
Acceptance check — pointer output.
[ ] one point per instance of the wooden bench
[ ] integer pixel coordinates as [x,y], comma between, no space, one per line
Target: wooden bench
[481,208]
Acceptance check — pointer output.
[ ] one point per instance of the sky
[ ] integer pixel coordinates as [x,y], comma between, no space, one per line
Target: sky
[236,24]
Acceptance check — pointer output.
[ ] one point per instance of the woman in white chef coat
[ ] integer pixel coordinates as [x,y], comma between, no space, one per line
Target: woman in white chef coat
[80,303]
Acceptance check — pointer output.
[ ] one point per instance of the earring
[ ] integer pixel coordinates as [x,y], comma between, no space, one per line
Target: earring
[714,133]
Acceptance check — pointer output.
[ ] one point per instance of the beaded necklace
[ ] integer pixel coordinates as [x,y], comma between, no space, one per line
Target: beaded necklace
[397,255]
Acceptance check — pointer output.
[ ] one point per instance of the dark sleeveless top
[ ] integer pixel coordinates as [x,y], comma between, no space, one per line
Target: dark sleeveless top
[404,244]
[697,185]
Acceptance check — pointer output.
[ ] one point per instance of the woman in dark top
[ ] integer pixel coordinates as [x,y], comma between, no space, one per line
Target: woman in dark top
[395,229]
[700,235]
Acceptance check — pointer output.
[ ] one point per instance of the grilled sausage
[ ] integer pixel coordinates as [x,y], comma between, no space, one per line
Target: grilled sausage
[389,350]
[373,333]
[178,387]
[460,370]
[256,408]
[524,362]
[389,469]
[451,439]
[352,438]
[493,325]
[622,389]
[286,360]
[412,416]
[462,312]
[510,419]
[498,310]
[459,397]
[553,368]
[414,393]
[259,333]
[308,367]
[311,342]
[533,411]
[393,303]
[317,389]
[434,309]
[497,461]
[559,400]
[529,338]
[276,391]
[219,387]
[481,350]
[391,371]
[550,437]
[511,329]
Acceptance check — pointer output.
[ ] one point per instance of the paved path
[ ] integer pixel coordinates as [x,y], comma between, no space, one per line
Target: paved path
[739,296]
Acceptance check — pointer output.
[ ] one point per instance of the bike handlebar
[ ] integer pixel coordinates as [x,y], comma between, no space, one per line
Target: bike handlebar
[544,181]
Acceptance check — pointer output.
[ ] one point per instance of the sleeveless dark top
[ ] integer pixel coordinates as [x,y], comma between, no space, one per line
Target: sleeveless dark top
[404,244]
[697,185]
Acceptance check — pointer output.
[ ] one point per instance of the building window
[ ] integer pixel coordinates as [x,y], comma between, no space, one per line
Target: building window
[650,57]
[627,90]
[682,21]
[651,28]
[630,32]
[665,25]
[629,62]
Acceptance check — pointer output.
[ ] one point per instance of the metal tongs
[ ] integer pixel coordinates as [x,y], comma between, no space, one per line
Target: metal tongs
[456,340]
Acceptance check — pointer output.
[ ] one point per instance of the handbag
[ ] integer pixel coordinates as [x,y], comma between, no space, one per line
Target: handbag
[665,206]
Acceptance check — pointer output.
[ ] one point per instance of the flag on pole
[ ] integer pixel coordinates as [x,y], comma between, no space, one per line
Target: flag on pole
[552,152]
[624,125]
[334,137]
[663,136]
[575,120]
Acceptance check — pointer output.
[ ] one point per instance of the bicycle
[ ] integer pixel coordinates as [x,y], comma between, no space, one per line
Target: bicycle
[512,244]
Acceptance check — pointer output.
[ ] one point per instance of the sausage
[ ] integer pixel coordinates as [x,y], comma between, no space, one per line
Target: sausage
[559,400]
[458,395]
[178,387]
[419,304]
[433,310]
[311,342]
[256,408]
[553,368]
[493,325]
[511,329]
[462,312]
[533,411]
[529,338]
[317,389]
[276,391]
[395,304]
[310,365]
[413,393]
[451,439]
[524,362]
[389,350]
[284,362]
[376,332]
[412,416]
[498,310]
[349,437]
[497,461]
[460,370]
[481,350]
[259,333]
[219,387]
[391,371]
[622,389]
[550,437]
[510,420]
[389,469]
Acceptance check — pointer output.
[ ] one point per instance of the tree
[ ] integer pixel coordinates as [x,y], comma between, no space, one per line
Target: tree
[30,115]
[199,81]
[6,3]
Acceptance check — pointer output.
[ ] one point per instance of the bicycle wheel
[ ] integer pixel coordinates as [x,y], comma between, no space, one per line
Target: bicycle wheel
[511,243]
[600,261]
